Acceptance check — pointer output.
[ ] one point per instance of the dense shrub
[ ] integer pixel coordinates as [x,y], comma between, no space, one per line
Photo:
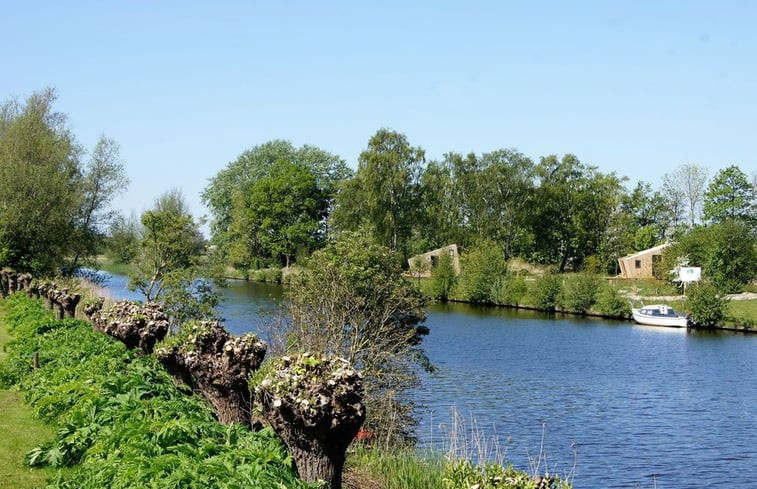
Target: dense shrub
[443,278]
[509,290]
[706,305]
[611,302]
[480,267]
[270,275]
[579,292]
[545,293]
[123,423]
[727,253]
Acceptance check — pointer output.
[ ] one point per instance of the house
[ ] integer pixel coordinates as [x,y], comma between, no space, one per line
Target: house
[641,264]
[424,264]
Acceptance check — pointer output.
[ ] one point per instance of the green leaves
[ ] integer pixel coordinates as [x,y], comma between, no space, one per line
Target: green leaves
[730,196]
[123,421]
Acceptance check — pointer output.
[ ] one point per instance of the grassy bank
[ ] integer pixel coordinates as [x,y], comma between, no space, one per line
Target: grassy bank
[20,433]
[576,293]
[119,419]
[115,419]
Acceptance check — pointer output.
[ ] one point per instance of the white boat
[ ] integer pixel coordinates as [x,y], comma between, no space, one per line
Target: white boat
[659,315]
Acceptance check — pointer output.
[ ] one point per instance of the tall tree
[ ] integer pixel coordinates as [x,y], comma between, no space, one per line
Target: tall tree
[689,183]
[441,221]
[507,189]
[283,213]
[730,195]
[171,242]
[122,244]
[574,207]
[646,217]
[104,177]
[222,192]
[384,194]
[39,184]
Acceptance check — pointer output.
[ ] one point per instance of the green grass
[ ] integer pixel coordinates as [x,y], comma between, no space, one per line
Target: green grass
[116,268]
[396,469]
[745,309]
[646,287]
[20,433]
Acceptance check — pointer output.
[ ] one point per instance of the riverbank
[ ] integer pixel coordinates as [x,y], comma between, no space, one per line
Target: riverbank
[607,298]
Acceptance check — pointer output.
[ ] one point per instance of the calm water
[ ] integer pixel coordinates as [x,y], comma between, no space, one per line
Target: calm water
[629,406]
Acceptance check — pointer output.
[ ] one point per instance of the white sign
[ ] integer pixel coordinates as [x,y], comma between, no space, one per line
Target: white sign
[690,274]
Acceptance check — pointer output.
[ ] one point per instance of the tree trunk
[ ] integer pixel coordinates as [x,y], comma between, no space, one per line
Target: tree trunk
[315,463]
[230,407]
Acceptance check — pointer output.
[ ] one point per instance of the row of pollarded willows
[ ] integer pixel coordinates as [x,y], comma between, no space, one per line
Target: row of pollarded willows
[59,300]
[315,404]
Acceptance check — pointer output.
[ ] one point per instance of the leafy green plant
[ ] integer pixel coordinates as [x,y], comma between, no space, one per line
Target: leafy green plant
[545,293]
[610,302]
[122,421]
[443,278]
[509,290]
[579,292]
[464,474]
[270,275]
[706,305]
[481,266]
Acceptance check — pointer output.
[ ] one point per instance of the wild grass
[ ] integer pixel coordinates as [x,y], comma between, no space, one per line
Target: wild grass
[465,458]
[115,268]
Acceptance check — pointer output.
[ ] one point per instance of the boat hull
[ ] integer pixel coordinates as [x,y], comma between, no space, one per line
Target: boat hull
[656,320]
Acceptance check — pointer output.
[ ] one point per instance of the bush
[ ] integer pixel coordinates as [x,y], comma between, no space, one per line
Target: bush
[579,292]
[727,253]
[545,293]
[509,290]
[443,278]
[269,275]
[481,266]
[612,303]
[706,305]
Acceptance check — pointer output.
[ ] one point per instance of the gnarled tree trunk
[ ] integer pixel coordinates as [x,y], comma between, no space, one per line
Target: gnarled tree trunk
[206,357]
[135,325]
[315,404]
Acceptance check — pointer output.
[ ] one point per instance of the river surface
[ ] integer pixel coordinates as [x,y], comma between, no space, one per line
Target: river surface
[610,404]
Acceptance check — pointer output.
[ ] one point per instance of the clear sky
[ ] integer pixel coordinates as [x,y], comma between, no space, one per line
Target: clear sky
[635,87]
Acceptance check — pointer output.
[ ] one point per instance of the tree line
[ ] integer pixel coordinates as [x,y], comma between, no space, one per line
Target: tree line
[277,203]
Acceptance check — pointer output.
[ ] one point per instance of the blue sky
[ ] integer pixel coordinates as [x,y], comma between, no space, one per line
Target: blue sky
[638,88]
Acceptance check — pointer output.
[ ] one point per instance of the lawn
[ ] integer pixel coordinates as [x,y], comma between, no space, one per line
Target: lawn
[20,433]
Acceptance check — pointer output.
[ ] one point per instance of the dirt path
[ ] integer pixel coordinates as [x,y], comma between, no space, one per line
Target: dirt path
[669,298]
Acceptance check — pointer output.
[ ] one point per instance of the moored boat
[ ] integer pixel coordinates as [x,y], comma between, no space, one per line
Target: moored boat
[659,315]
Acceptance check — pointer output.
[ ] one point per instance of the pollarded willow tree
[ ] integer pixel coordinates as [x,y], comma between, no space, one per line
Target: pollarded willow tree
[352,301]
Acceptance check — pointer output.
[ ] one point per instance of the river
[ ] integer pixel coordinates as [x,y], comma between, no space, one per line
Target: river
[612,404]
